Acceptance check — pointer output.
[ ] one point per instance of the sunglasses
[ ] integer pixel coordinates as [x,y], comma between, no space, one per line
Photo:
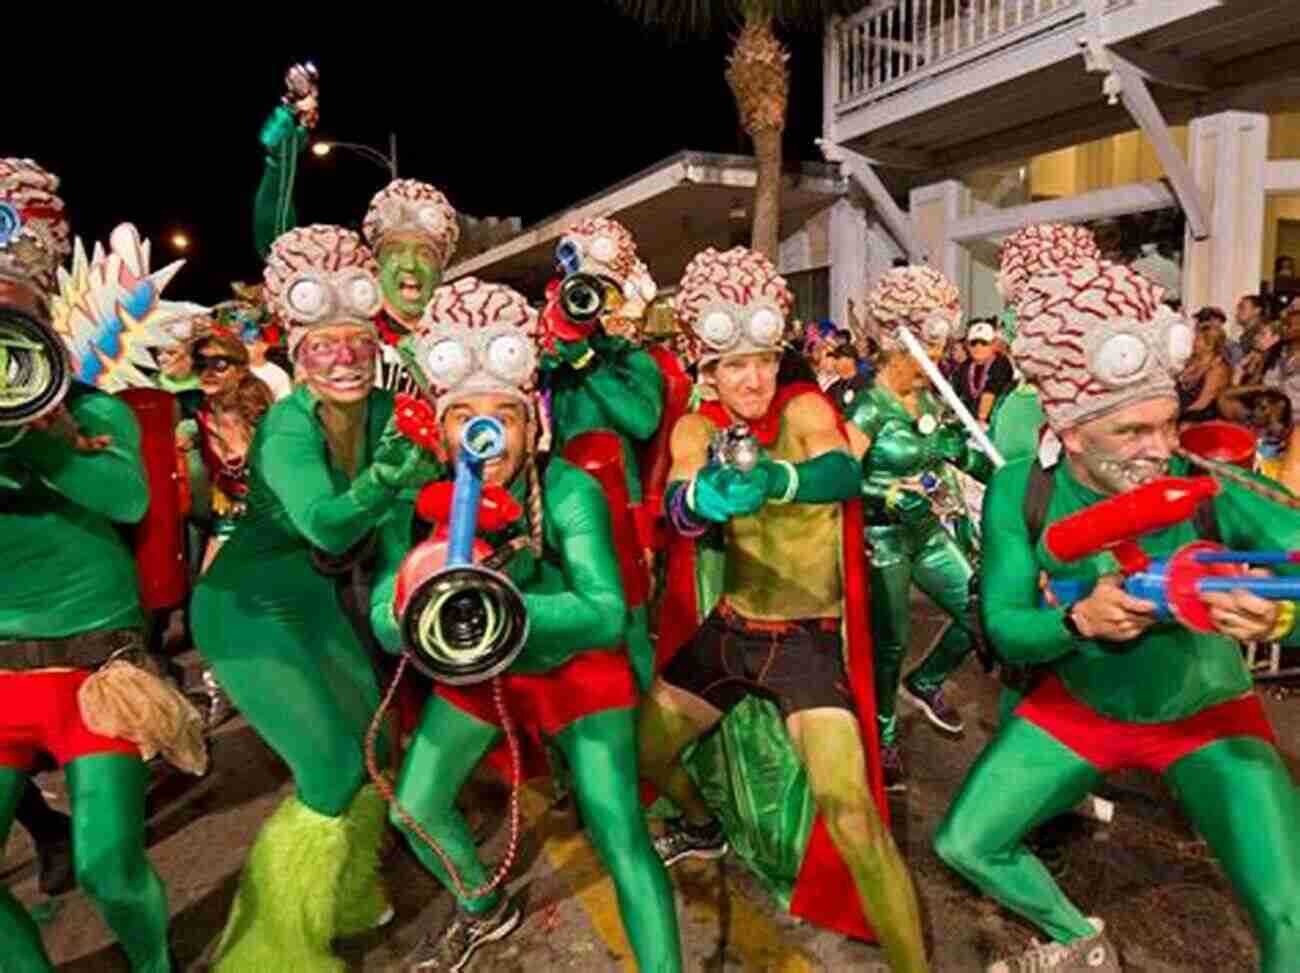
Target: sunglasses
[215,363]
[977,342]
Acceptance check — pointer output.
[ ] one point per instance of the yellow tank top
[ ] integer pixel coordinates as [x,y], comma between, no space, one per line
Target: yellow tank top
[783,563]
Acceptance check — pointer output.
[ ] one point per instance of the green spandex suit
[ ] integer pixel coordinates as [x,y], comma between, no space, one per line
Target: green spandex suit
[65,572]
[274,630]
[908,542]
[575,604]
[1233,787]
[622,390]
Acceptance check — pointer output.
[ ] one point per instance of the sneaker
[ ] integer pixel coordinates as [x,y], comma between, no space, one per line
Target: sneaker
[683,840]
[935,707]
[891,761]
[1092,955]
[449,951]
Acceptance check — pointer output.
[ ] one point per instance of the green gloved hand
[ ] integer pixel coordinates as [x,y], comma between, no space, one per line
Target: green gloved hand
[748,491]
[950,442]
[714,492]
[280,130]
[574,353]
[400,464]
[910,508]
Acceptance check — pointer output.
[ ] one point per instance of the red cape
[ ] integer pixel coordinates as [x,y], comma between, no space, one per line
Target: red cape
[824,892]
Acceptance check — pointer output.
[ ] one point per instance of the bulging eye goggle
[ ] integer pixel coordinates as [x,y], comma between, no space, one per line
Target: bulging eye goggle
[313,297]
[505,353]
[723,328]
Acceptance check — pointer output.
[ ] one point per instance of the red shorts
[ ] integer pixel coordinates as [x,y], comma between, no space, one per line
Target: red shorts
[590,683]
[39,715]
[1110,745]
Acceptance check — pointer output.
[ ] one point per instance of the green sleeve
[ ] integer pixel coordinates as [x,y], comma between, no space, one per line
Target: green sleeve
[590,613]
[273,210]
[110,482]
[394,544]
[829,478]
[629,388]
[1248,521]
[289,454]
[1023,632]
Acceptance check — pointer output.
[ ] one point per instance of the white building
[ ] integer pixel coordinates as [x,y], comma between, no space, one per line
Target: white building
[989,115]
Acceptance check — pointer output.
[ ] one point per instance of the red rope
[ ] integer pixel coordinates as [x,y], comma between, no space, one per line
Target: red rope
[386,790]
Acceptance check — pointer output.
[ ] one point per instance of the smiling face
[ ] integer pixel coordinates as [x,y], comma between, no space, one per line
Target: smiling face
[513,416]
[409,270]
[338,362]
[1125,449]
[746,384]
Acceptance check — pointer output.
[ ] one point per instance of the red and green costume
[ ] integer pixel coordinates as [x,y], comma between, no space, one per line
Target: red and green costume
[571,684]
[777,830]
[69,584]
[1174,701]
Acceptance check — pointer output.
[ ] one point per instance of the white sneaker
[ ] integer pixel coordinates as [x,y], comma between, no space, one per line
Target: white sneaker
[1092,955]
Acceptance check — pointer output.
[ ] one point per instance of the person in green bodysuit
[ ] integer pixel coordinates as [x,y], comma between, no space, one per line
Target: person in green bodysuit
[410,226]
[68,482]
[326,466]
[572,682]
[597,377]
[1117,687]
[909,489]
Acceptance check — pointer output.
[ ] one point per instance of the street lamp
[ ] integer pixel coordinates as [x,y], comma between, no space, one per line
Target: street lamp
[388,162]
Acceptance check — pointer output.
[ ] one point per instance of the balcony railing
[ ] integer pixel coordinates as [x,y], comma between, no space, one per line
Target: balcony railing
[892,44]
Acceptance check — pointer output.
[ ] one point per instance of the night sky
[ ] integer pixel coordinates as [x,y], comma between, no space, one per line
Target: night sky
[511,113]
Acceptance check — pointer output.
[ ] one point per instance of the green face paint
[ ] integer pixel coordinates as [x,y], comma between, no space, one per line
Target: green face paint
[409,270]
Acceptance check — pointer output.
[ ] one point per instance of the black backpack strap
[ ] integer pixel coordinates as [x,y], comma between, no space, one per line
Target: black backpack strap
[1038,497]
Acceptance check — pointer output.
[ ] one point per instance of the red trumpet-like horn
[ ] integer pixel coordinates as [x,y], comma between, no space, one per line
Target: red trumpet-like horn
[1108,525]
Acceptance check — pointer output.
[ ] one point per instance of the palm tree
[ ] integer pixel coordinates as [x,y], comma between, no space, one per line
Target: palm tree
[757,74]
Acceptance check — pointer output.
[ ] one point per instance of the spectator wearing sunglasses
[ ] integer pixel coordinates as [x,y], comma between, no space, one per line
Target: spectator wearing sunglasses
[986,374]
[234,401]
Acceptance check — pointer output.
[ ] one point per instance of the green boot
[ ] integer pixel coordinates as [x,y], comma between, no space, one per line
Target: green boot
[363,901]
[286,908]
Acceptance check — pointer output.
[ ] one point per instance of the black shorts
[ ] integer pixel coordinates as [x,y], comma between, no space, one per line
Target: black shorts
[798,665]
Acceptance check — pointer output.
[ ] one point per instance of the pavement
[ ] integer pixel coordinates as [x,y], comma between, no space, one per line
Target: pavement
[1165,901]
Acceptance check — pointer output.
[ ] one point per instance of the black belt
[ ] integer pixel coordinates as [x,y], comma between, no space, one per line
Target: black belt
[85,651]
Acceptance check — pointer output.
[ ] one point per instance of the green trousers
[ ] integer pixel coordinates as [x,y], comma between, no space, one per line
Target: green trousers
[601,752]
[929,558]
[1236,792]
[107,796]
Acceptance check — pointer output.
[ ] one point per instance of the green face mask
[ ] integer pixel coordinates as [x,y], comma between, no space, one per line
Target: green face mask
[408,273]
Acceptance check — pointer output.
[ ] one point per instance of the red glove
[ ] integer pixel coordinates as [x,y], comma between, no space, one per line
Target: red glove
[417,422]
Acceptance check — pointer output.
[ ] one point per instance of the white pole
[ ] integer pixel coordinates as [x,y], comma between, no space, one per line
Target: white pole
[946,391]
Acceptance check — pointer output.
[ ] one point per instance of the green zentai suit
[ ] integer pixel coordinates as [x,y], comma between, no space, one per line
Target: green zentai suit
[909,543]
[276,633]
[574,598]
[65,572]
[1169,683]
[619,388]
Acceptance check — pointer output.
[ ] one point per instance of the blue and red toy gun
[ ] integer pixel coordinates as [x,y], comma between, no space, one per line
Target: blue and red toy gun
[1176,584]
[462,622]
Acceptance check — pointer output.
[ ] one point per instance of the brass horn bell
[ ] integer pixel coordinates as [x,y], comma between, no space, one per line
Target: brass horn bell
[34,368]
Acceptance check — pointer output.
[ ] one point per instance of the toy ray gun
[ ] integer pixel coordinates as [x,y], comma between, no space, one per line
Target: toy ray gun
[461,622]
[1177,585]
[34,372]
[735,447]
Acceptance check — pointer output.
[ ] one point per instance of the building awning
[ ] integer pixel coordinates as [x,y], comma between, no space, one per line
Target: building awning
[674,209]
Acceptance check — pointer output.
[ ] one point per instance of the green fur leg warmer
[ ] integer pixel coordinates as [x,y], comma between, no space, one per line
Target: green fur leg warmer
[362,898]
[285,911]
